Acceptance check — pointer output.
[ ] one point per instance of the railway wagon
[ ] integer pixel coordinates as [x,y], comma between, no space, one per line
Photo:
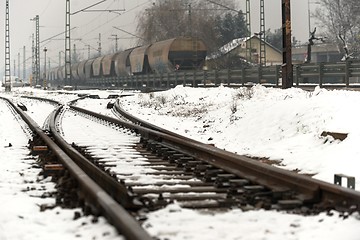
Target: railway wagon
[96,67]
[107,65]
[139,60]
[182,53]
[121,62]
[88,69]
[61,73]
[81,70]
[74,71]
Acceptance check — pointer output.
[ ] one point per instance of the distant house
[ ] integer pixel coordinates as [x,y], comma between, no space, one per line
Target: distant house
[234,52]
[320,52]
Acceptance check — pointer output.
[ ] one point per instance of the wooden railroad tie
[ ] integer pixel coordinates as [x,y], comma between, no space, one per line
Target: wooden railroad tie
[52,169]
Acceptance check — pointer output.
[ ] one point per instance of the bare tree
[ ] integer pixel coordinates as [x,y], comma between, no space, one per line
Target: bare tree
[340,18]
[168,19]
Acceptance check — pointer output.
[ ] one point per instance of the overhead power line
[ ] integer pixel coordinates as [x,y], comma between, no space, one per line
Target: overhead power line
[51,38]
[224,6]
[84,9]
[128,33]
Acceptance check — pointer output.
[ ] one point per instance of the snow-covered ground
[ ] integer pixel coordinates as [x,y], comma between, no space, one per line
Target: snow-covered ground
[282,125]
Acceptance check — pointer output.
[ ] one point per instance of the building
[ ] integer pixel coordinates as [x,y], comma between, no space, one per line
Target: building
[320,52]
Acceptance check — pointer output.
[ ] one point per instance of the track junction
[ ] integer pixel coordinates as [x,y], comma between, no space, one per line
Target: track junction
[194,174]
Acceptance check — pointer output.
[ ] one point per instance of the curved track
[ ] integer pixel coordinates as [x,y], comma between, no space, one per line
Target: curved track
[96,198]
[194,174]
[308,189]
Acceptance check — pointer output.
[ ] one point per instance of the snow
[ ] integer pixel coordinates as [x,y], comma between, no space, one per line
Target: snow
[283,125]
[229,47]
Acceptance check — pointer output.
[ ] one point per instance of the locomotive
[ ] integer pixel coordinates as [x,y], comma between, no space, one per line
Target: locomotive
[176,54]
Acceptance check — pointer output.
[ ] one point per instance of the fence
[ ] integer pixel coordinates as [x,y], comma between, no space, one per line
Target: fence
[344,74]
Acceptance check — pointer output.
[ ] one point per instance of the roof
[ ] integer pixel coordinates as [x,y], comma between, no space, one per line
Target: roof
[233,44]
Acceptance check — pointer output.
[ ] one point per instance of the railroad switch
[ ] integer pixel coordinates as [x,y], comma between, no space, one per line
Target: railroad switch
[350,180]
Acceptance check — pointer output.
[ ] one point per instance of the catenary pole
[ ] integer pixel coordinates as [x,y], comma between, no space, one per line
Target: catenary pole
[7,50]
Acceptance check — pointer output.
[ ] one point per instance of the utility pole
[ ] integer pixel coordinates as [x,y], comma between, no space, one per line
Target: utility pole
[44,82]
[18,65]
[24,63]
[7,50]
[287,67]
[99,49]
[67,46]
[74,58]
[190,21]
[36,73]
[88,51]
[33,59]
[116,41]
[248,26]
[60,59]
[262,34]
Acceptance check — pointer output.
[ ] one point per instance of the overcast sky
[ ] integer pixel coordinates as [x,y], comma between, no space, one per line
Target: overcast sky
[90,24]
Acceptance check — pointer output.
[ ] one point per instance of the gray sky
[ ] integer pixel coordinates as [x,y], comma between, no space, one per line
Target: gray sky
[90,24]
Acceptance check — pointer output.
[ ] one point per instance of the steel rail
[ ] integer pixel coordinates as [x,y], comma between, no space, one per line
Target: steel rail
[43,99]
[143,123]
[95,195]
[117,190]
[312,190]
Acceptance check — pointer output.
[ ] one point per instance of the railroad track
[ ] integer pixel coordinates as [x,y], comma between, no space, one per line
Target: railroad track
[316,194]
[165,167]
[232,175]
[77,184]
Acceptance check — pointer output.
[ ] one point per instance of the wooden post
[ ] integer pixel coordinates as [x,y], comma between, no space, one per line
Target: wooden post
[321,74]
[347,73]
[287,71]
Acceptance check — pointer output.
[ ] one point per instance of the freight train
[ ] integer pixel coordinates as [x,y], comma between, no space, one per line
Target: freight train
[176,54]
